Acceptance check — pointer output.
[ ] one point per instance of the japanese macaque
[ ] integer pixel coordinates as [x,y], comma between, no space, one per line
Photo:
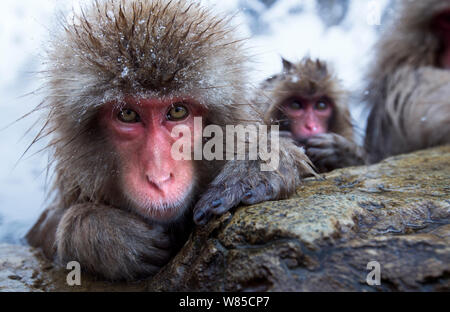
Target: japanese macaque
[309,105]
[409,83]
[121,76]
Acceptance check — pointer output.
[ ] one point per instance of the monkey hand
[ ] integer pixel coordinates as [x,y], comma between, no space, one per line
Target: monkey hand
[110,242]
[243,182]
[331,151]
[240,182]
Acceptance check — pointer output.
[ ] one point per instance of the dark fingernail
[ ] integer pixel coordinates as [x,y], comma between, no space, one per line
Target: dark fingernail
[216,203]
[199,215]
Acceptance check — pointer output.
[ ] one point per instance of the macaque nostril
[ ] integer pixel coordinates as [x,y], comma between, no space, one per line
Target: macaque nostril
[311,129]
[159,181]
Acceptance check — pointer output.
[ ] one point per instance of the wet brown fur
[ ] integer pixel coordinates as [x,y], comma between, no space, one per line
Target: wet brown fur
[408,94]
[148,48]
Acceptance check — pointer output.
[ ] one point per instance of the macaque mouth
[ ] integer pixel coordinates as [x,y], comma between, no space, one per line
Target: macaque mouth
[161,203]
[163,192]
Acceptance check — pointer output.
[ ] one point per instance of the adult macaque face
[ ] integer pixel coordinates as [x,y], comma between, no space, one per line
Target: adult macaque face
[125,201]
[140,132]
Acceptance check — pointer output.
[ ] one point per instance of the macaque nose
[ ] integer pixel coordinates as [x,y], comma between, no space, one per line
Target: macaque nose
[312,129]
[159,180]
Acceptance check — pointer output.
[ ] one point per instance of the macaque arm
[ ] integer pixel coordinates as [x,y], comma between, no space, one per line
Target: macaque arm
[419,108]
[414,114]
[106,241]
[42,234]
[331,151]
[243,182]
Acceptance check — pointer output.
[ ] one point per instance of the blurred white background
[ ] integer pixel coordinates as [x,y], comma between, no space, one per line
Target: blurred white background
[339,31]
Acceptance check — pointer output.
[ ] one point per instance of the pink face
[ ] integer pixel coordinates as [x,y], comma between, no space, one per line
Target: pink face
[308,117]
[442,28]
[140,130]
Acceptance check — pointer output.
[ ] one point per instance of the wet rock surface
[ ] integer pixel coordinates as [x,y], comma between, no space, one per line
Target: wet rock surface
[23,269]
[396,213]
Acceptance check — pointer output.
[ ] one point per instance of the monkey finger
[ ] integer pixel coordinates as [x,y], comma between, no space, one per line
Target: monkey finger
[216,202]
[319,153]
[319,142]
[263,192]
[150,268]
[164,244]
[331,161]
[201,217]
[154,258]
[206,208]
[157,235]
[202,213]
[286,134]
[229,199]
[219,207]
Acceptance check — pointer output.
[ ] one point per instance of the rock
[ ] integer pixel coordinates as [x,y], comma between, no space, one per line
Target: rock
[23,269]
[396,213]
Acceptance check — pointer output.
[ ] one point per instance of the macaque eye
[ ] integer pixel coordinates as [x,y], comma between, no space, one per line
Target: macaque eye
[177,112]
[296,105]
[321,106]
[129,116]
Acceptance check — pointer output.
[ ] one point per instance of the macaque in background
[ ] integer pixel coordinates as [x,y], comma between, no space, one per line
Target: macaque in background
[309,105]
[120,77]
[409,82]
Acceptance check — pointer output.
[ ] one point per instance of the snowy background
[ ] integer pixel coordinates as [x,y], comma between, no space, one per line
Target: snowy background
[339,31]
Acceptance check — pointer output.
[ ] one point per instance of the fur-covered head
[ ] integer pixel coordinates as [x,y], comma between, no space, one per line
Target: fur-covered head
[411,29]
[308,78]
[151,48]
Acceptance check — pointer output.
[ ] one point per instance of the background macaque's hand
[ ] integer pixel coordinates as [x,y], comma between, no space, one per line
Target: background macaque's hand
[111,242]
[330,151]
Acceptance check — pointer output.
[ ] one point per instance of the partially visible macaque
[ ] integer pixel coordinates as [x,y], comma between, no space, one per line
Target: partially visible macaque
[309,105]
[409,82]
[121,77]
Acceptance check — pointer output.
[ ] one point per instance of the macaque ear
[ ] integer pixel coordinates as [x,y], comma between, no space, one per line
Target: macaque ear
[287,66]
